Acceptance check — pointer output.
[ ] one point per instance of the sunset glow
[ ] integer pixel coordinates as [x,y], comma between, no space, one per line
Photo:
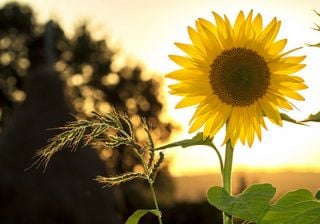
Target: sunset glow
[145,31]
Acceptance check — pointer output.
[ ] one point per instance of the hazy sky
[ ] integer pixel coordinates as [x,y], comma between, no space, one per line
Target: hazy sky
[146,30]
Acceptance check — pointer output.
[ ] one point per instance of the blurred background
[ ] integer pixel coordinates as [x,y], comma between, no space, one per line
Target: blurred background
[72,58]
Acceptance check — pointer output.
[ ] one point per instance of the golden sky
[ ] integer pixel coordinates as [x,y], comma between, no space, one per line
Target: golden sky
[146,30]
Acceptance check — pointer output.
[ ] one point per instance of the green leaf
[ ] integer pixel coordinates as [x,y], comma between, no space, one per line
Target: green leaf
[137,215]
[315,45]
[251,205]
[318,29]
[318,195]
[297,207]
[285,117]
[196,140]
[313,117]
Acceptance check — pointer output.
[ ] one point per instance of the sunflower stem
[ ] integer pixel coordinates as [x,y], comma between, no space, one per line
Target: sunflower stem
[226,176]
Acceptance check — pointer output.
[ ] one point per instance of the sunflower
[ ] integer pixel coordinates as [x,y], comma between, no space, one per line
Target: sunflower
[236,75]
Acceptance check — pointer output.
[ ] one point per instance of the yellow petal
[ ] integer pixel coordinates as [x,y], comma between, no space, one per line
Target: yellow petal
[270,111]
[194,37]
[189,101]
[184,74]
[238,23]
[191,50]
[293,60]
[292,94]
[198,123]
[209,104]
[257,24]
[220,23]
[277,47]
[208,25]
[190,90]
[183,61]
[215,48]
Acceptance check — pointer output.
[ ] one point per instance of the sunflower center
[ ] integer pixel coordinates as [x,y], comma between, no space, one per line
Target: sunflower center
[239,76]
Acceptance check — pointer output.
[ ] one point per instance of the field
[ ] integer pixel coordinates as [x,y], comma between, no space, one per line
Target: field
[193,188]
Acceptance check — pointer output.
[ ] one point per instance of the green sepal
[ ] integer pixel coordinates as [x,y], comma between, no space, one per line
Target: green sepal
[138,214]
[252,204]
[198,139]
[313,117]
[295,207]
[287,118]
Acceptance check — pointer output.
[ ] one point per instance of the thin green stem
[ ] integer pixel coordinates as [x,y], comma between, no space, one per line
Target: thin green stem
[227,219]
[150,181]
[219,157]
[155,200]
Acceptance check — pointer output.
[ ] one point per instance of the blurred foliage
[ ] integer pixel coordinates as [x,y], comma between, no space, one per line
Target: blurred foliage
[16,30]
[85,64]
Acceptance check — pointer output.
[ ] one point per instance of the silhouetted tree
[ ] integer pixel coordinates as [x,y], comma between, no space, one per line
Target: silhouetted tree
[95,86]
[84,64]
[16,29]
[66,192]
